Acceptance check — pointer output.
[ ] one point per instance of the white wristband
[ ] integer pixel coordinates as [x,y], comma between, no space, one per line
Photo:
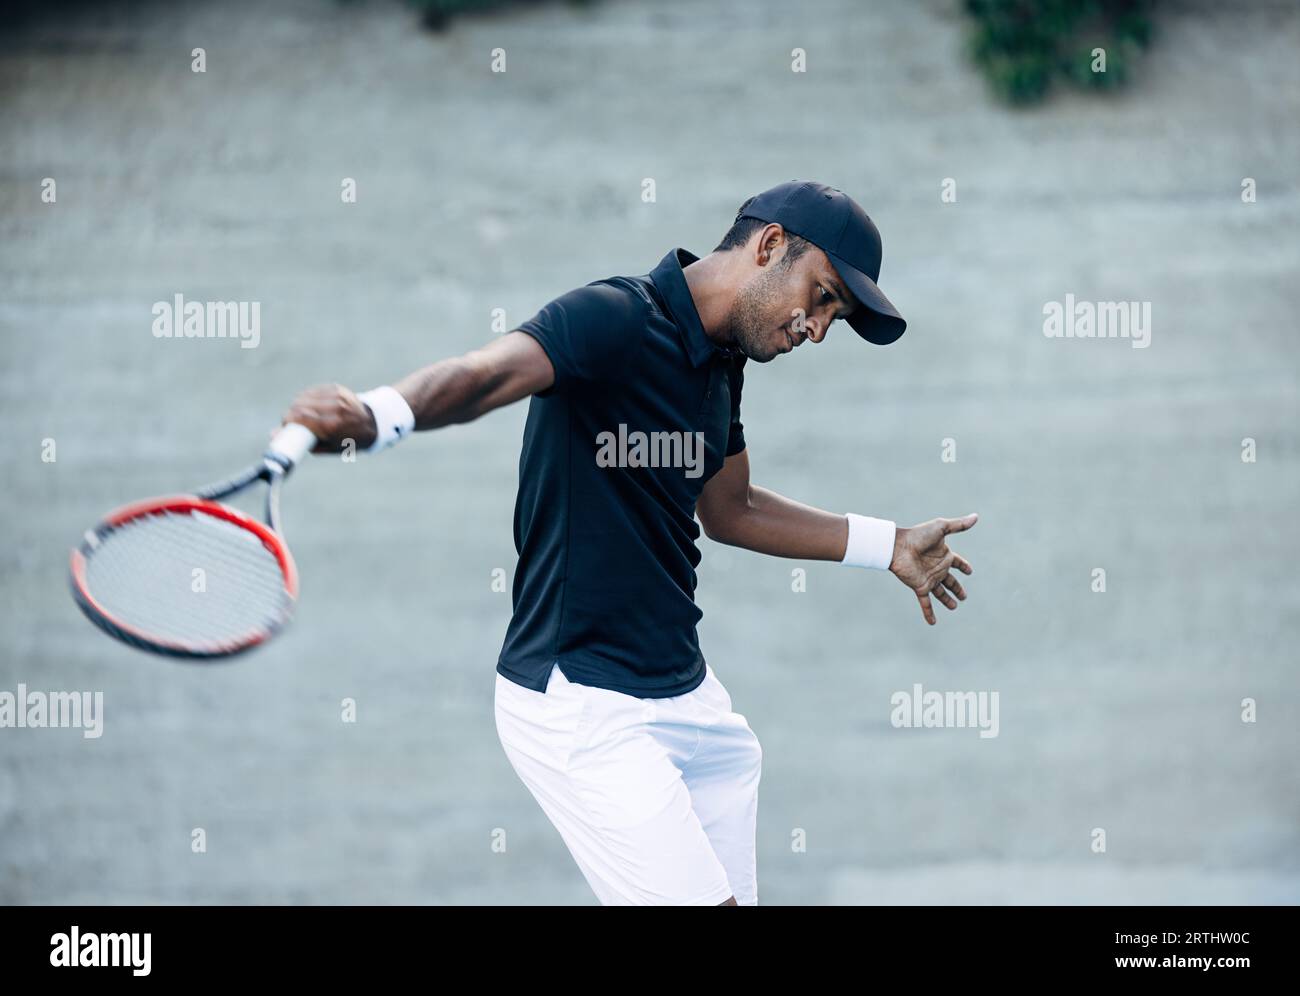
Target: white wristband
[394,420]
[871,542]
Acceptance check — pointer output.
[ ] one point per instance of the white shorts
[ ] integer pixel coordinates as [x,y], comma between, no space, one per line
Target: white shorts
[657,799]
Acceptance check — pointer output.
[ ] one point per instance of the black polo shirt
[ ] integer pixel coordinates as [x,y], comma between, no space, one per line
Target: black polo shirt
[643,411]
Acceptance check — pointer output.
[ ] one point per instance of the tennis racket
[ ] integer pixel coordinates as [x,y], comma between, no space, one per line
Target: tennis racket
[188,576]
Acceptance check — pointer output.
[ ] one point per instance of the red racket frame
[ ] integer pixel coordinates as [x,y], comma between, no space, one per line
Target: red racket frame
[186,504]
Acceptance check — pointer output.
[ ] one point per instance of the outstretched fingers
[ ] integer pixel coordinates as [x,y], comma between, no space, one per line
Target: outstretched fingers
[927,609]
[947,590]
[940,581]
[941,593]
[960,525]
[954,586]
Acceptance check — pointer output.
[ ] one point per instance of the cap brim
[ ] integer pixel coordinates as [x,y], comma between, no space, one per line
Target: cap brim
[876,320]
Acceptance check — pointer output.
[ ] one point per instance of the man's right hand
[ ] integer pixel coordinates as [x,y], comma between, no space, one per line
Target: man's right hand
[335,414]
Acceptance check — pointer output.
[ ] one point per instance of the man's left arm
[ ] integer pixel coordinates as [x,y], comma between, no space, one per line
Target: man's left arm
[733,511]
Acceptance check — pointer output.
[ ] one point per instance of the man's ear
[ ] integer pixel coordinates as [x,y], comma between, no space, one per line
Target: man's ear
[769,239]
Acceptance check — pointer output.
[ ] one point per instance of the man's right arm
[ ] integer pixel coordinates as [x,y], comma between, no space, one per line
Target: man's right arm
[458,389]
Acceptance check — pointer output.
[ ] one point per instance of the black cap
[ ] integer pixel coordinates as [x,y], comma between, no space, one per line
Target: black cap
[831,220]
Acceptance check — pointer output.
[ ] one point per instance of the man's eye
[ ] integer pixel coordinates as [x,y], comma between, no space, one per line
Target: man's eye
[825,293]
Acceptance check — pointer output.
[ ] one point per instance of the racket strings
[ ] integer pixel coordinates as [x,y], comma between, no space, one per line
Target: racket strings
[188,578]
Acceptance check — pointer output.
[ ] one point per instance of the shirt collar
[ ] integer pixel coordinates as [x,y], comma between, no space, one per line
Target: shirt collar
[671,284]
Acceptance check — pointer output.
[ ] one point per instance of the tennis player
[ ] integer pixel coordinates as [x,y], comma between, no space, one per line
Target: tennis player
[604,704]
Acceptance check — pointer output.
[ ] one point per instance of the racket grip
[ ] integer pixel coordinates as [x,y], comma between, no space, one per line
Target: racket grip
[292,443]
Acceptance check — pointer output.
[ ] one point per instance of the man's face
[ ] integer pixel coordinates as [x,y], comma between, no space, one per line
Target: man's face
[765,319]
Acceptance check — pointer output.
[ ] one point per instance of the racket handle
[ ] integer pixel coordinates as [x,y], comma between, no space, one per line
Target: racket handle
[292,443]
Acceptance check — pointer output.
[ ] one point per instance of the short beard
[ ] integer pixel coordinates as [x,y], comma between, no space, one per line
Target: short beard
[748,325]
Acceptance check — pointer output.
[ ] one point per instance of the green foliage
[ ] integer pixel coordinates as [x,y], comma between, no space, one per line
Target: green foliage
[437,14]
[1023,46]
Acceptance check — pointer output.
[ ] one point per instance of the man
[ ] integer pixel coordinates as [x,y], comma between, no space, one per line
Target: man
[604,704]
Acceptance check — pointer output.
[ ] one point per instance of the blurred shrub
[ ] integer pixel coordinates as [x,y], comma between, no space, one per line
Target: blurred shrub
[437,14]
[1024,45]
